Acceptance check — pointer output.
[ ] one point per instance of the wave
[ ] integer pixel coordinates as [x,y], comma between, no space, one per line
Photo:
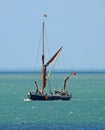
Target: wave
[27,100]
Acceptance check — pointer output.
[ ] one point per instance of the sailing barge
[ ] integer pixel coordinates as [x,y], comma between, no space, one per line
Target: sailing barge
[57,94]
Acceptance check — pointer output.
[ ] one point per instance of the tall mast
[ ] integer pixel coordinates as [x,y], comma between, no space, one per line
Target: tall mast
[43,43]
[43,65]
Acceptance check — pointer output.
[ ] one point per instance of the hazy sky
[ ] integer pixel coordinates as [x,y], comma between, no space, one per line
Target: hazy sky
[77,25]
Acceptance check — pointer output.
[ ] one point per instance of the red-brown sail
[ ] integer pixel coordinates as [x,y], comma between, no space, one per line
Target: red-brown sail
[53,57]
[44,69]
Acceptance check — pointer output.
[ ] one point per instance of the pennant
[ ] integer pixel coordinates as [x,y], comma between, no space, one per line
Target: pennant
[74,73]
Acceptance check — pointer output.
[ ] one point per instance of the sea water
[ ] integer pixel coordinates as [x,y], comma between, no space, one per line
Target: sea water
[85,111]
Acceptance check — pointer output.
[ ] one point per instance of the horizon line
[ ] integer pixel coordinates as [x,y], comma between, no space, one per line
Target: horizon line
[54,70]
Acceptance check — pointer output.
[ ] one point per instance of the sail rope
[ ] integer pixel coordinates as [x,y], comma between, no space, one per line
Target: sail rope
[47,44]
[37,64]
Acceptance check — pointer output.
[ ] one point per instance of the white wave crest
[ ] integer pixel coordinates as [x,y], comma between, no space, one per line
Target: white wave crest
[27,100]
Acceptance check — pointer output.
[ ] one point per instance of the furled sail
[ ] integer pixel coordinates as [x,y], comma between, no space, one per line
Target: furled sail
[66,79]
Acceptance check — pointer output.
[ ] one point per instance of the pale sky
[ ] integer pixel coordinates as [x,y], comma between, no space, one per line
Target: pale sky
[77,25]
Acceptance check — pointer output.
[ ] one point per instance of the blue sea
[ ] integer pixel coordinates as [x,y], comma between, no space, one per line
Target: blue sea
[85,111]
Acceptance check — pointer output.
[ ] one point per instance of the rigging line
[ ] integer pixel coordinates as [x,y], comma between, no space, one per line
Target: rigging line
[37,53]
[47,43]
[38,78]
[49,86]
[63,60]
[36,60]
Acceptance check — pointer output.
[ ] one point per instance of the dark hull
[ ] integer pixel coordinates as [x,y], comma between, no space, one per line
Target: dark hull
[35,96]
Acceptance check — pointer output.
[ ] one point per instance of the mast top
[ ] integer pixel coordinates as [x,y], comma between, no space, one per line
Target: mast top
[44,16]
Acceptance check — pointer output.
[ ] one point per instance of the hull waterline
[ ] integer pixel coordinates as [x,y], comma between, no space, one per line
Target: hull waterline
[44,97]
